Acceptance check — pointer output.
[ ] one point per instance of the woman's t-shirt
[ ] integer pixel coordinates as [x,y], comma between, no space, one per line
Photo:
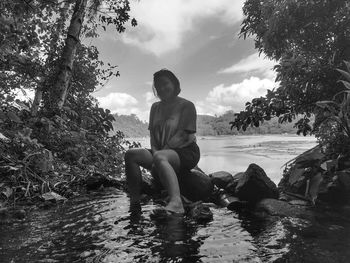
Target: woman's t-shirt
[166,119]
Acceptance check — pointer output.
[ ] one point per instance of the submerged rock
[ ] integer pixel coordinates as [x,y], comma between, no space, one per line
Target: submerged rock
[199,212]
[254,185]
[274,207]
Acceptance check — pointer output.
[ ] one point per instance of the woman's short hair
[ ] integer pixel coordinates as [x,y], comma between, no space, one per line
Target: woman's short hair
[167,73]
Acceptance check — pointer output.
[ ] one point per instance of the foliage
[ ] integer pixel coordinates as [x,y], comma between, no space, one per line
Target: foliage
[307,48]
[333,124]
[317,166]
[43,152]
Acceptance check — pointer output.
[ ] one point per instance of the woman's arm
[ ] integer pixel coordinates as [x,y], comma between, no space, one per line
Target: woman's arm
[154,148]
[180,139]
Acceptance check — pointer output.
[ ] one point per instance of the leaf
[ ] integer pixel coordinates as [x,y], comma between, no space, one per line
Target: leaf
[345,74]
[315,182]
[2,115]
[13,117]
[346,84]
[7,192]
[325,103]
[347,64]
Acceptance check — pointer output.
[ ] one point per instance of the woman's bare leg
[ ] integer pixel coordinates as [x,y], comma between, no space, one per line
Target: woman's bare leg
[134,158]
[167,162]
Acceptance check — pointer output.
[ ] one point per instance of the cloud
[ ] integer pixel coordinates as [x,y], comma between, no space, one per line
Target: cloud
[221,99]
[150,98]
[121,103]
[162,24]
[125,104]
[252,64]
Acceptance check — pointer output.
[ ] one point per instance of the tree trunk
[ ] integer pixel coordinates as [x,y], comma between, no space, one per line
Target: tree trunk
[59,90]
[55,37]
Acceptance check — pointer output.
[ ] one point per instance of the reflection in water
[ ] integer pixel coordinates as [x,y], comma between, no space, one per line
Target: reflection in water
[101,228]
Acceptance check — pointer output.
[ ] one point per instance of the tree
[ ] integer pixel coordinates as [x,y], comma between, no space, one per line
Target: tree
[58,93]
[38,48]
[309,39]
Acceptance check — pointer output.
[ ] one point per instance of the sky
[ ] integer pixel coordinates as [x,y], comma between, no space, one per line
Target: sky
[199,41]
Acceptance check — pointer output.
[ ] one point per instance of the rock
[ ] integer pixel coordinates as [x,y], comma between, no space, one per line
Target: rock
[199,212]
[53,197]
[254,185]
[8,215]
[343,162]
[19,214]
[336,188]
[302,168]
[96,180]
[231,187]
[195,185]
[221,179]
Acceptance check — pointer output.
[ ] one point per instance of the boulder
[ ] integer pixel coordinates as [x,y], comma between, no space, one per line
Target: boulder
[195,185]
[221,179]
[254,185]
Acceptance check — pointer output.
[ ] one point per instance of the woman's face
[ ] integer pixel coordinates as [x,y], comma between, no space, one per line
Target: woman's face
[165,88]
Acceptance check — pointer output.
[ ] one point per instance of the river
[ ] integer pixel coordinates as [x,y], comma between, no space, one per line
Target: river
[98,227]
[234,153]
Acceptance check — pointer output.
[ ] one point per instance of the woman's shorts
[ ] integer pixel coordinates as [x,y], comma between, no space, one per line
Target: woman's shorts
[189,156]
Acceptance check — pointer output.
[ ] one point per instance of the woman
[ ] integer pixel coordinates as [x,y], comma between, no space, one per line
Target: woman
[172,126]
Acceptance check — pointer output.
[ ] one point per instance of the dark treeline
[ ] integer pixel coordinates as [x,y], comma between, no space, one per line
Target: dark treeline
[207,125]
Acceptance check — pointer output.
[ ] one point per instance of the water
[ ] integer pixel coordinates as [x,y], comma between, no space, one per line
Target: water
[98,227]
[234,153]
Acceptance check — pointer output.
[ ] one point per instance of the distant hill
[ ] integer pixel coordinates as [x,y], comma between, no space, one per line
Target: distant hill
[130,125]
[210,125]
[207,125]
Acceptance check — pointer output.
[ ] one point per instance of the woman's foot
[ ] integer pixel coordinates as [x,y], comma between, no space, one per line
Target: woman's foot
[175,206]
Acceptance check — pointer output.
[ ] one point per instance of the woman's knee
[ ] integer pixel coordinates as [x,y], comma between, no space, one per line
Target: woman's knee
[159,158]
[132,155]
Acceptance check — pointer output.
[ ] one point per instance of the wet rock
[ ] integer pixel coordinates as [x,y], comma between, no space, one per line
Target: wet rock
[8,215]
[53,197]
[221,179]
[335,188]
[343,162]
[302,168]
[254,185]
[231,187]
[19,214]
[195,185]
[199,212]
[97,180]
